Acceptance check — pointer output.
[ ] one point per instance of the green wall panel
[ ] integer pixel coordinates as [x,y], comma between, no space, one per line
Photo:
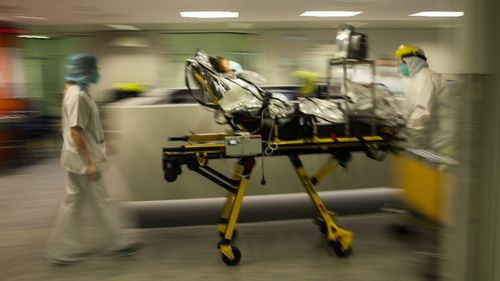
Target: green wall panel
[44,68]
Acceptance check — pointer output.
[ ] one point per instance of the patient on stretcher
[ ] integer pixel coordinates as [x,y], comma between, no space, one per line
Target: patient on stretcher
[242,95]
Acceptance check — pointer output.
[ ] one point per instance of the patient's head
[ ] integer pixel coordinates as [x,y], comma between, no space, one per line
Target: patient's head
[221,64]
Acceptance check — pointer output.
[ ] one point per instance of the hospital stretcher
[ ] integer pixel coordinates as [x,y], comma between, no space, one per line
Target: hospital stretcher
[199,150]
[273,140]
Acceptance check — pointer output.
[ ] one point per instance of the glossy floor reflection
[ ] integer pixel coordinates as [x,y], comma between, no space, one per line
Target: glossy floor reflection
[283,250]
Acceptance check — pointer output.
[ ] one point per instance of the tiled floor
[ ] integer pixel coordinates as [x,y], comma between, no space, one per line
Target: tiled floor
[284,250]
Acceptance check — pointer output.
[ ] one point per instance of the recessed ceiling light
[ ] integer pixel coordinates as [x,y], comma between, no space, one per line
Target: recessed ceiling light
[210,14]
[123,27]
[441,14]
[330,14]
[30,18]
[33,36]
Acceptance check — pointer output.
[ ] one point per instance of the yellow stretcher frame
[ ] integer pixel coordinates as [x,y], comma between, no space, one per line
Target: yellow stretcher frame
[201,148]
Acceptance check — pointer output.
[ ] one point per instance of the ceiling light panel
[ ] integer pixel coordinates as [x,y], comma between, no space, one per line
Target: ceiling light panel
[209,14]
[34,37]
[329,14]
[123,27]
[30,18]
[438,14]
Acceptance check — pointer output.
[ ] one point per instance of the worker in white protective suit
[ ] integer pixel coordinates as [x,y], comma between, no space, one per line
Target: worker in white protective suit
[428,108]
[83,156]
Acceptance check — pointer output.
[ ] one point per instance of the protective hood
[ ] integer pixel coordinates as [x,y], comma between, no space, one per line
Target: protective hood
[415,64]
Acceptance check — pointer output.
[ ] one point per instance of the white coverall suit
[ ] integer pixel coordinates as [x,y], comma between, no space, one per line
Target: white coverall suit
[429,110]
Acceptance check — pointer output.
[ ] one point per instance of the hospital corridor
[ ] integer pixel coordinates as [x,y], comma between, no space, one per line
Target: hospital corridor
[249,140]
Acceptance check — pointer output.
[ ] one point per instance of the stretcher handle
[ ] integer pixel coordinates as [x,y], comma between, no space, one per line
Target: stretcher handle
[184,138]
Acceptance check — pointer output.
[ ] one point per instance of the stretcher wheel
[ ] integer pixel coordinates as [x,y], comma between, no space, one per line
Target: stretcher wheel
[169,177]
[339,250]
[237,257]
[171,172]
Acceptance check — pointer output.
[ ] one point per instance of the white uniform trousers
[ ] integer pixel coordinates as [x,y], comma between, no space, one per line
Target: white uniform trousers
[65,238]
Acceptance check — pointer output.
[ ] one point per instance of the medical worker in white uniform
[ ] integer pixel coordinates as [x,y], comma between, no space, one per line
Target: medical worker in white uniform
[429,109]
[83,156]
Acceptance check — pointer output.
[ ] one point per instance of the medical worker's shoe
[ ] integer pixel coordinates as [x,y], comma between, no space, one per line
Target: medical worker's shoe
[129,250]
[67,260]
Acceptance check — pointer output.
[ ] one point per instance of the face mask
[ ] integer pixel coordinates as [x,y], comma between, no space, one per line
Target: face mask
[94,78]
[405,71]
[236,67]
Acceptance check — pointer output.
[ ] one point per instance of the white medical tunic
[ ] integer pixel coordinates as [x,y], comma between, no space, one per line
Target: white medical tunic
[80,110]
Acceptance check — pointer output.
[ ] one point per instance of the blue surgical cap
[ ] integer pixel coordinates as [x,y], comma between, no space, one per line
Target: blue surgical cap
[81,68]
